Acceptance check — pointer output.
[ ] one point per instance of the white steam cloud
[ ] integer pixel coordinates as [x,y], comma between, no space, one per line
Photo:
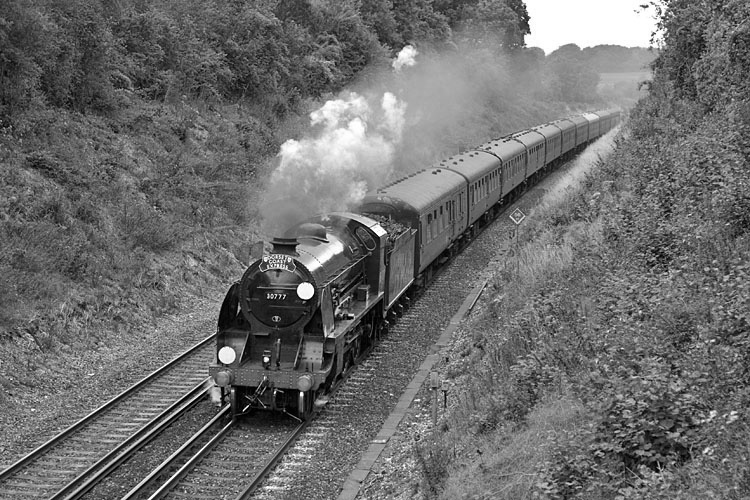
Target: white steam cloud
[407,57]
[352,152]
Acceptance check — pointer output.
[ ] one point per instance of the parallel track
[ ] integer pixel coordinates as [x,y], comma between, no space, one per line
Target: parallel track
[71,463]
[233,462]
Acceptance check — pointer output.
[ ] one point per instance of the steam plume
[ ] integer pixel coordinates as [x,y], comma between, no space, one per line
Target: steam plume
[407,57]
[351,152]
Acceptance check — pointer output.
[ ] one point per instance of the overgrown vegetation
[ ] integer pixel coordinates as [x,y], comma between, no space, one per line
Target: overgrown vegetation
[624,338]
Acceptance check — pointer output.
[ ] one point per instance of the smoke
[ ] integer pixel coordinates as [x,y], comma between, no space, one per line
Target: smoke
[455,102]
[350,151]
[363,139]
[407,57]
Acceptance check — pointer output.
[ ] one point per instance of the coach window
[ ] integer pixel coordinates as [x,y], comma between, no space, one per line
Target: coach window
[429,227]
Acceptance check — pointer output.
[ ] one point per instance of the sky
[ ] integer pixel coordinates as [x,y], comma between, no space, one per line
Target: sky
[588,22]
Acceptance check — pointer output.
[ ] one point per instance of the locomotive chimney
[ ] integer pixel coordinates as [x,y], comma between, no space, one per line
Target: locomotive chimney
[285,246]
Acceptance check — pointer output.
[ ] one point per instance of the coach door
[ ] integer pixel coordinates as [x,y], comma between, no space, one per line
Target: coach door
[451,211]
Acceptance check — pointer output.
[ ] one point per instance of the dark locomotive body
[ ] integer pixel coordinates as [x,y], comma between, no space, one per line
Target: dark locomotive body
[307,309]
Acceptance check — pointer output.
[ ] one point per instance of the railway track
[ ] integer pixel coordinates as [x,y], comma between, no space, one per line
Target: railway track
[74,461]
[317,464]
[230,464]
[231,458]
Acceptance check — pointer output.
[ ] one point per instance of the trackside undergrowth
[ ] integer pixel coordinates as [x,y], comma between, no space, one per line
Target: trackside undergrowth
[613,363]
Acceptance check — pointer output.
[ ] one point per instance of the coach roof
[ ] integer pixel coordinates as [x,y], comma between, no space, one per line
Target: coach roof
[472,164]
[420,190]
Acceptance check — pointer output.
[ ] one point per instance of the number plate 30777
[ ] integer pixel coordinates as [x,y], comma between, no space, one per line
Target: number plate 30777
[275,296]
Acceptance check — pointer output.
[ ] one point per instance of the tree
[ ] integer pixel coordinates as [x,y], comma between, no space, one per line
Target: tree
[418,21]
[23,40]
[684,23]
[79,76]
[570,77]
[148,42]
[378,15]
[500,22]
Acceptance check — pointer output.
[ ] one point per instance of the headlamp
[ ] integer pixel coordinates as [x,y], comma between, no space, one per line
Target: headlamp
[227,355]
[305,290]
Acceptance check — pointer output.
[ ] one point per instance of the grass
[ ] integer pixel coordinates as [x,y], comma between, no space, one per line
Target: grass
[509,464]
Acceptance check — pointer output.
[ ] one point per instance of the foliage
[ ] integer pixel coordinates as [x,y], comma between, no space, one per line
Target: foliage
[705,50]
[58,52]
[22,33]
[75,54]
[619,59]
[379,16]
[418,21]
[570,76]
[500,22]
[148,50]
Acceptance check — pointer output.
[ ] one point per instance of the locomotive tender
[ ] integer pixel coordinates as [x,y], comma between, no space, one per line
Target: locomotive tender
[301,314]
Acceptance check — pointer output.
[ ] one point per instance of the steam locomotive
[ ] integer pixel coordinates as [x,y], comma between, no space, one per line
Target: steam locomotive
[305,311]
